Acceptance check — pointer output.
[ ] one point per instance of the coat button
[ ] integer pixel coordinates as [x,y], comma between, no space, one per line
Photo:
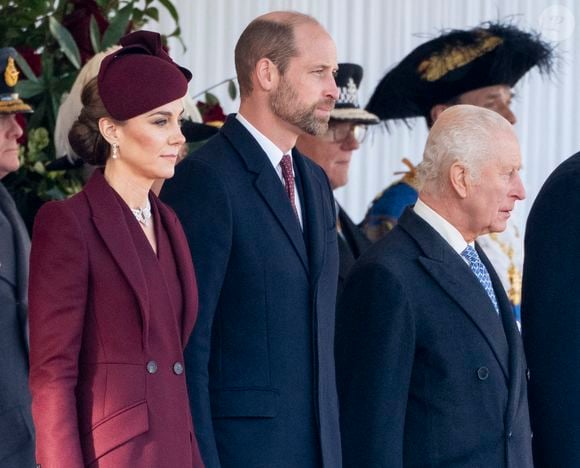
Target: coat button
[482,373]
[528,374]
[178,368]
[152,367]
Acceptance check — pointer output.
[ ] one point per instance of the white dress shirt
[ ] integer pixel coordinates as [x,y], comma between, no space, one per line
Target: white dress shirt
[275,155]
[443,227]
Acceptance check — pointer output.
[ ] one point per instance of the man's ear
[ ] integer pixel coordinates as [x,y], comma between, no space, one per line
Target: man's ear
[436,111]
[459,179]
[267,74]
[108,129]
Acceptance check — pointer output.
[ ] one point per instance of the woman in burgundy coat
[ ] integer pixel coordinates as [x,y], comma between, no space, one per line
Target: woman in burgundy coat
[113,296]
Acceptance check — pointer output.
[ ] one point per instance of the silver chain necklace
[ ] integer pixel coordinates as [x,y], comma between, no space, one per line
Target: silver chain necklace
[143,215]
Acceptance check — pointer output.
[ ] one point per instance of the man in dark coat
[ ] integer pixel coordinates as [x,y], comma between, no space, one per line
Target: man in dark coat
[430,364]
[478,66]
[550,318]
[333,152]
[260,220]
[16,429]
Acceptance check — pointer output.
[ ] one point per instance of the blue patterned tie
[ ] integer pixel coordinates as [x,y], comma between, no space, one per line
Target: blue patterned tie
[479,270]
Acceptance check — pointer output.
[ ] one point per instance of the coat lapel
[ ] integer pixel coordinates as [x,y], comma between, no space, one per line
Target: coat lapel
[22,241]
[267,183]
[109,221]
[456,278]
[351,243]
[514,340]
[185,272]
[314,216]
[357,241]
[345,258]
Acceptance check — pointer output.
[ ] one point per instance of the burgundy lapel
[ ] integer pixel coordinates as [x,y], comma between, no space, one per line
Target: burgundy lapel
[183,263]
[109,221]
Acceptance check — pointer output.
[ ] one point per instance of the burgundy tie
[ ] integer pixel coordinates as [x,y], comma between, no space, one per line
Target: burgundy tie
[287,174]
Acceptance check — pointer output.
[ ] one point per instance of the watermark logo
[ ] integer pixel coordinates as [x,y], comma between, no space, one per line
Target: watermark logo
[557,23]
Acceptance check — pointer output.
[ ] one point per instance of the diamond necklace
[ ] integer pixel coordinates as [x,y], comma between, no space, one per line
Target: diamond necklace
[143,215]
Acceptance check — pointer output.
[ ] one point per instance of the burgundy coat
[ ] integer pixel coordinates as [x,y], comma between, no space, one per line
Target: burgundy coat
[91,362]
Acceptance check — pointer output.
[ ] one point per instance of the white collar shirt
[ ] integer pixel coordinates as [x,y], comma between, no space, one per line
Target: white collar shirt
[274,154]
[443,227]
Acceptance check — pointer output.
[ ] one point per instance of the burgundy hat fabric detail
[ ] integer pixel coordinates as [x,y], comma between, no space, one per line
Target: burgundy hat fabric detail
[140,77]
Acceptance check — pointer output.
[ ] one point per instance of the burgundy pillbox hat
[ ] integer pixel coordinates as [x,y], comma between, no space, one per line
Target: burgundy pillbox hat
[140,77]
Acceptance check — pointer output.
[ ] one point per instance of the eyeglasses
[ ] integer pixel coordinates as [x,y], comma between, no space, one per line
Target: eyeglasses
[341,132]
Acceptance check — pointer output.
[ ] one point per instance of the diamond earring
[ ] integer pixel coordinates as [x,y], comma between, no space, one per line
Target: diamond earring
[115,154]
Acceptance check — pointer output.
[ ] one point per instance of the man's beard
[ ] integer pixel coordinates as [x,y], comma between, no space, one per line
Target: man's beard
[285,105]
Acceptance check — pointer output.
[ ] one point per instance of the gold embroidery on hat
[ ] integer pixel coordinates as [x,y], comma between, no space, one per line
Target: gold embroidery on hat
[11,73]
[451,58]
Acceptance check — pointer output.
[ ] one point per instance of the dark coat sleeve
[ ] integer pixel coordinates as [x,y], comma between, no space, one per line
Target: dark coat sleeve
[551,318]
[375,341]
[200,200]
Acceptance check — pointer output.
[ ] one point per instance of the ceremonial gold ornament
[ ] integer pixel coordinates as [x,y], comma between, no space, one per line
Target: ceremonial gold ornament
[514,274]
[11,73]
[453,57]
[409,176]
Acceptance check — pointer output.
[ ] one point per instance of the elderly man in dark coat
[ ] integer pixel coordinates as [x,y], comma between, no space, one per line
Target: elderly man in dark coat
[16,430]
[478,66]
[430,364]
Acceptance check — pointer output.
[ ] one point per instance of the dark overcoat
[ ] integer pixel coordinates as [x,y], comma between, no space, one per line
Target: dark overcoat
[551,318]
[260,362]
[16,429]
[428,374]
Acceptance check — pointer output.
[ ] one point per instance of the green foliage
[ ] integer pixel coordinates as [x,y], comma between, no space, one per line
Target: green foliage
[22,21]
[117,27]
[232,89]
[65,41]
[37,25]
[55,38]
[53,185]
[32,185]
[211,99]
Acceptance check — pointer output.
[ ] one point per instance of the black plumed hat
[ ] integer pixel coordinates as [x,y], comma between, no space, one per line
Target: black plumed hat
[456,62]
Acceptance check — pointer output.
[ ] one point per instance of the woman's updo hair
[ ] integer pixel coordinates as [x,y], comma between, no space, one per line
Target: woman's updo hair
[84,136]
[138,77]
